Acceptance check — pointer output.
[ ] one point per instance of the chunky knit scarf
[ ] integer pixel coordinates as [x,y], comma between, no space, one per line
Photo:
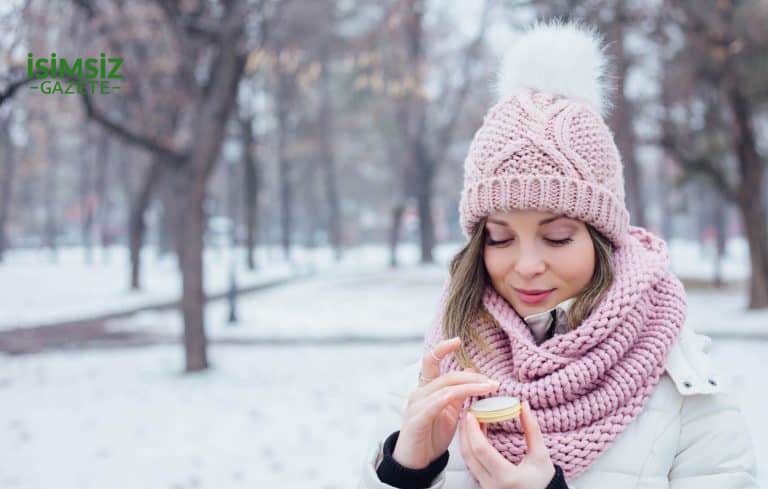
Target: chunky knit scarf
[585,386]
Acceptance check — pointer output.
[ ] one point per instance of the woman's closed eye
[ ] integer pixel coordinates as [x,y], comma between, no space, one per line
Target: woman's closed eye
[554,242]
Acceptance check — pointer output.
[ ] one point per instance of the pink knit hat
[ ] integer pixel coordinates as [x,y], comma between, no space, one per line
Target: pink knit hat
[545,144]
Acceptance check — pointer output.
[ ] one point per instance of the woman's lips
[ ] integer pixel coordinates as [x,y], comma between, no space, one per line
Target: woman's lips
[533,298]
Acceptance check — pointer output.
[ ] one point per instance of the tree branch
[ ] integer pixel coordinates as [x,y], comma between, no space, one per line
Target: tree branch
[701,165]
[446,132]
[11,89]
[190,25]
[170,155]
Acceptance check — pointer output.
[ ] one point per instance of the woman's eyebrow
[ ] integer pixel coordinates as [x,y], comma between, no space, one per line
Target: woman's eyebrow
[543,221]
[550,219]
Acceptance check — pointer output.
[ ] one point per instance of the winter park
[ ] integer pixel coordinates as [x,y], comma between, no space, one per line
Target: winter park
[287,244]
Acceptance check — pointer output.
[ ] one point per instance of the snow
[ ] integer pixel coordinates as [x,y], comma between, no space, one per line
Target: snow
[397,303]
[278,417]
[271,417]
[37,291]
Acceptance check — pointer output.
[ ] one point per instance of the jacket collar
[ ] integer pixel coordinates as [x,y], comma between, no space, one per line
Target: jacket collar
[690,366]
[541,322]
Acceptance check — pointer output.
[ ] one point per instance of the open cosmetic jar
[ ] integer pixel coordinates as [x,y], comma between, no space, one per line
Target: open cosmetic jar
[496,409]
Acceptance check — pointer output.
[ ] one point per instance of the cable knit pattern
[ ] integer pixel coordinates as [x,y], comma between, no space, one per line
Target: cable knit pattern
[543,151]
[588,384]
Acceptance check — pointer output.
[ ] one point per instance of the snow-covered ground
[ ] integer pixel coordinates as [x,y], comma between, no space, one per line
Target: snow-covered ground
[36,290]
[369,304]
[278,417]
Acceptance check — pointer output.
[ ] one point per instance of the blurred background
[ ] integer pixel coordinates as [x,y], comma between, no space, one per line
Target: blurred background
[208,272]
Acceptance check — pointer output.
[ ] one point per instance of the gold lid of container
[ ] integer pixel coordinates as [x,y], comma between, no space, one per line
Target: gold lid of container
[496,409]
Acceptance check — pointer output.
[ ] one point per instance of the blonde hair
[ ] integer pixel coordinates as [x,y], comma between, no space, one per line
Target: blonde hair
[464,303]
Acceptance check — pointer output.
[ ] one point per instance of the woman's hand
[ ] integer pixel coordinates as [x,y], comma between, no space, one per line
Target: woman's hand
[492,470]
[432,413]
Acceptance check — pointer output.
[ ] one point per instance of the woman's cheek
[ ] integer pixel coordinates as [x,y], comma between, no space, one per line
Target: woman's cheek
[494,261]
[580,261]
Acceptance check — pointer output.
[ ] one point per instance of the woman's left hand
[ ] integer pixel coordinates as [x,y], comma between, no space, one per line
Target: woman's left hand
[492,470]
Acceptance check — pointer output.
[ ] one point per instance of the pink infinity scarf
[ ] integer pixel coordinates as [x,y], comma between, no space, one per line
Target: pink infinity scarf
[585,386]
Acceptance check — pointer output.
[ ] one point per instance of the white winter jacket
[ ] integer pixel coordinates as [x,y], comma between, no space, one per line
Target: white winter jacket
[690,435]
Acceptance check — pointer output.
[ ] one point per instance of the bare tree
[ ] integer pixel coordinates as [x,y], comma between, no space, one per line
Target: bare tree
[190,169]
[426,139]
[715,67]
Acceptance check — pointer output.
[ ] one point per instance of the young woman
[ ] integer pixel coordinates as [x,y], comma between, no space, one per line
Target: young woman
[557,300]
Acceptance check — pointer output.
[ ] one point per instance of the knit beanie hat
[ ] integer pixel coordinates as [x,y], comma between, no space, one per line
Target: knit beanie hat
[544,145]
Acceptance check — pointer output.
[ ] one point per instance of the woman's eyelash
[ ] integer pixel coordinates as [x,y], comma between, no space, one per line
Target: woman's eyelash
[560,242]
[556,242]
[492,242]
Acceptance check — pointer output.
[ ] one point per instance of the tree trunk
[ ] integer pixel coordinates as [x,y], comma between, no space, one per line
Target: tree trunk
[622,118]
[136,224]
[102,176]
[7,164]
[424,183]
[192,230]
[286,183]
[251,193]
[86,214]
[328,162]
[49,197]
[751,199]
[166,236]
[416,133]
[720,220]
[394,233]
[208,135]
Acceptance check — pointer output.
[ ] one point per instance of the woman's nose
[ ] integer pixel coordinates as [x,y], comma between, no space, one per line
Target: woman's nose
[529,264]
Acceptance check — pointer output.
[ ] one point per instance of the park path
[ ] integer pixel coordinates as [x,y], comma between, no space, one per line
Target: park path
[92,332]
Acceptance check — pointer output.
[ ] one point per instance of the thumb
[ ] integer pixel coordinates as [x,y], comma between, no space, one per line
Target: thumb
[533,437]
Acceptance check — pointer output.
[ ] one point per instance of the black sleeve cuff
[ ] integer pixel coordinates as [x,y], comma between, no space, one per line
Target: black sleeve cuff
[558,480]
[392,473]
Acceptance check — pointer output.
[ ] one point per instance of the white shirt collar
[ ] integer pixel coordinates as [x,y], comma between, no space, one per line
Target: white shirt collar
[540,322]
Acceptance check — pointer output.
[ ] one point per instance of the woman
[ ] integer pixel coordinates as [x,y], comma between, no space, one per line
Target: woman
[557,300]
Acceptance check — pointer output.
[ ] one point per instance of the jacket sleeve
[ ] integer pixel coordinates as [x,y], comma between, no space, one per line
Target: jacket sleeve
[715,448]
[389,420]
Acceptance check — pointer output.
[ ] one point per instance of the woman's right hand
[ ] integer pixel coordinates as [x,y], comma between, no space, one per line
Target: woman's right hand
[432,413]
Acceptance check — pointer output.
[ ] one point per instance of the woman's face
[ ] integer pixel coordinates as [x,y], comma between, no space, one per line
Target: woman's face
[533,250]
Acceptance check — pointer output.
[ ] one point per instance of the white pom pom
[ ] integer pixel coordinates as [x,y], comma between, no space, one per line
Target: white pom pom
[560,58]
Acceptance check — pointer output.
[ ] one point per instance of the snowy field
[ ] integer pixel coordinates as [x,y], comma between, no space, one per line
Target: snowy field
[36,290]
[272,417]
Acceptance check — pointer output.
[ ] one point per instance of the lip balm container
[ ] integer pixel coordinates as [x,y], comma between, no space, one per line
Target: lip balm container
[496,409]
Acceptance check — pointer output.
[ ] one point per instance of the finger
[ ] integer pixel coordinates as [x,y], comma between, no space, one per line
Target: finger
[430,365]
[533,436]
[452,378]
[430,406]
[470,460]
[490,458]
